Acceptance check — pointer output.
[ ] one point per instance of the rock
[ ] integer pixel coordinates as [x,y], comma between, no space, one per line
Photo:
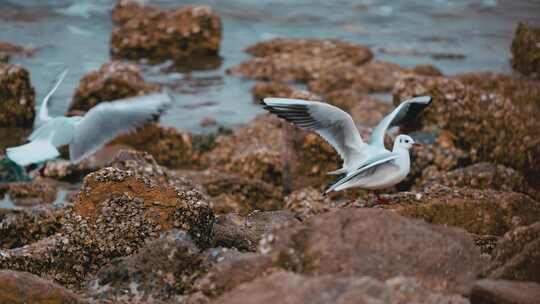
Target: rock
[231,271]
[525,50]
[114,80]
[208,122]
[484,212]
[244,233]
[25,226]
[270,89]
[376,243]
[17,107]
[169,147]
[521,91]
[427,70]
[21,287]
[365,110]
[4,57]
[483,176]
[490,126]
[300,60]
[190,33]
[114,214]
[374,76]
[288,288]
[307,202]
[32,193]
[505,292]
[517,255]
[160,270]
[234,193]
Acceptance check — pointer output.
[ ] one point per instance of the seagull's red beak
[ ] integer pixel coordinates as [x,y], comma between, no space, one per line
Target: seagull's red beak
[417,145]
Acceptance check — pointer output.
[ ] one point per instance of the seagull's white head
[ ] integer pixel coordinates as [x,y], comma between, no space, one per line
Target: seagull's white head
[405,142]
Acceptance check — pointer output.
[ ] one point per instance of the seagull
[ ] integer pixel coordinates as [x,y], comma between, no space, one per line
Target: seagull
[365,165]
[86,134]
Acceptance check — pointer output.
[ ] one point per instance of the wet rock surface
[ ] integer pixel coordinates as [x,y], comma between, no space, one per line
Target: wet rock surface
[187,34]
[18,97]
[525,50]
[30,193]
[378,244]
[114,80]
[286,287]
[299,60]
[507,292]
[21,287]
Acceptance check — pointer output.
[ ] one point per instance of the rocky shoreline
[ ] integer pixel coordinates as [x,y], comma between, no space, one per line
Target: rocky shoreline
[164,216]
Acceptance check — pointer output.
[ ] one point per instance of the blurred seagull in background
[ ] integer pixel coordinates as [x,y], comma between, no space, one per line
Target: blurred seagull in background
[85,134]
[366,165]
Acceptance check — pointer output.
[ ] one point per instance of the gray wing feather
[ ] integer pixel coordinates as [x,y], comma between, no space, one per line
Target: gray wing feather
[331,123]
[410,107]
[109,119]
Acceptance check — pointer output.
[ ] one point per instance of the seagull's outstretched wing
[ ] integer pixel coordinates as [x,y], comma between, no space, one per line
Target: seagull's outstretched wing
[43,114]
[333,124]
[367,167]
[109,119]
[407,110]
[32,152]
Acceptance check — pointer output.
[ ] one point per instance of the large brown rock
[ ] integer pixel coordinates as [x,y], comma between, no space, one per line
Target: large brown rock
[376,243]
[517,255]
[483,212]
[21,288]
[290,288]
[114,80]
[525,50]
[300,60]
[17,105]
[114,214]
[505,292]
[188,34]
[490,126]
[245,232]
[37,192]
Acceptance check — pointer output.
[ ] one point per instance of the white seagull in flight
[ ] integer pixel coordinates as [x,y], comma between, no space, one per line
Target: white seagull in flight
[85,134]
[366,165]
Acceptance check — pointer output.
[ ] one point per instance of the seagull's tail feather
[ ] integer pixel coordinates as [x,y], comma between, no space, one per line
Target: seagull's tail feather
[32,152]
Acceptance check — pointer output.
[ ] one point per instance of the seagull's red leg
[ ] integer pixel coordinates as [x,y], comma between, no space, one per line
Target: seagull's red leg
[381,200]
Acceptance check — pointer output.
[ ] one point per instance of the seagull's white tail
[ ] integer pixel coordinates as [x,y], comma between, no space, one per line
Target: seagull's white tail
[32,152]
[337,172]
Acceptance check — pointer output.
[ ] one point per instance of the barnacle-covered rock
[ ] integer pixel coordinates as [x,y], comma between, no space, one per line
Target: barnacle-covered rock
[271,89]
[115,212]
[114,80]
[32,193]
[232,192]
[300,60]
[525,50]
[168,146]
[482,212]
[482,176]
[188,34]
[488,125]
[17,105]
[160,270]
